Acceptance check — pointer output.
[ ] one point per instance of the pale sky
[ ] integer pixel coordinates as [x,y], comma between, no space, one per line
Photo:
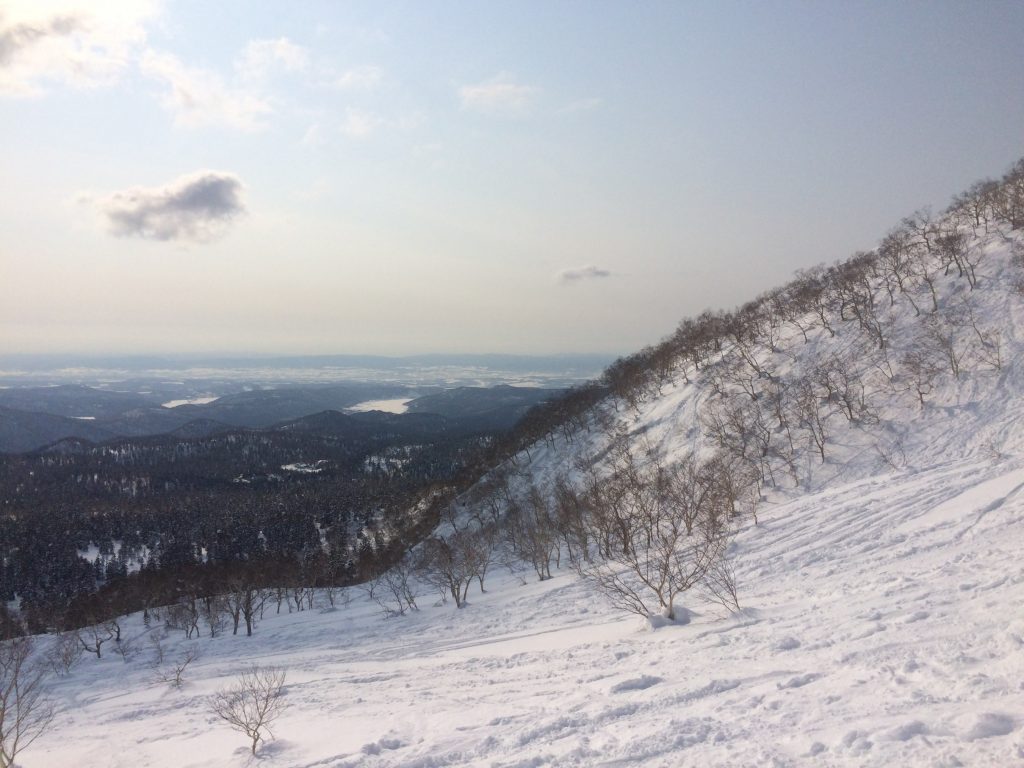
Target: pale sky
[524,177]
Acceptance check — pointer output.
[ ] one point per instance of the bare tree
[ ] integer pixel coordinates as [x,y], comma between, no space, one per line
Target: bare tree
[214,611]
[810,414]
[336,595]
[989,348]
[253,703]
[244,602]
[922,369]
[531,533]
[664,530]
[156,641]
[942,339]
[894,256]
[839,379]
[93,637]
[65,652]
[184,615]
[569,519]
[976,203]
[25,710]
[174,674]
[126,648]
[395,590]
[447,563]
[483,545]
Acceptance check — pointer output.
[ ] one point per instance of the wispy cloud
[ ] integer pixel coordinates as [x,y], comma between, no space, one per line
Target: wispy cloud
[360,124]
[499,95]
[63,42]
[582,105]
[262,56]
[197,208]
[365,78]
[579,274]
[199,97]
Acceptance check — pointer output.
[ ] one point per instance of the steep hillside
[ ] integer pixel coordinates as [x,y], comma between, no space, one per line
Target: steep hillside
[900,358]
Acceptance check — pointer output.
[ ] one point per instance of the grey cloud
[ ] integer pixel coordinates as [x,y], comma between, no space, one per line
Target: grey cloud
[590,272]
[13,39]
[198,207]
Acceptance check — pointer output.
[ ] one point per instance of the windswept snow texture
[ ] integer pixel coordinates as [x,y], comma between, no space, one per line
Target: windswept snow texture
[882,623]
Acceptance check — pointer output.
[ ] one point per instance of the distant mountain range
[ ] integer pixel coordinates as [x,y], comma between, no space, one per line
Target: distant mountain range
[583,364]
[34,417]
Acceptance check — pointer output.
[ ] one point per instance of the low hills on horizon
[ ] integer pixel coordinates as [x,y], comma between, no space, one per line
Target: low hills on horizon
[32,418]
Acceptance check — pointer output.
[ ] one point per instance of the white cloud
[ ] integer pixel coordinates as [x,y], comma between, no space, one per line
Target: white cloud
[199,97]
[198,208]
[261,56]
[61,42]
[582,105]
[578,274]
[360,124]
[500,94]
[365,78]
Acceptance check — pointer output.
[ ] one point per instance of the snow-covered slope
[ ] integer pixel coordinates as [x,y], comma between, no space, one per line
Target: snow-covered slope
[882,584]
[974,413]
[883,626]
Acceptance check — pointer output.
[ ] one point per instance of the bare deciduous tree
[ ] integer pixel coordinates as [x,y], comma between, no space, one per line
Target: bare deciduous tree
[184,615]
[214,612]
[395,590]
[447,564]
[65,652]
[531,532]
[663,530]
[126,648]
[93,637]
[25,710]
[810,414]
[253,703]
[922,370]
[174,673]
[336,595]
[943,341]
[244,601]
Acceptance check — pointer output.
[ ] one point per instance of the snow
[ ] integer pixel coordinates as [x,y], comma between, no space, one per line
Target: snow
[395,405]
[306,467]
[190,401]
[860,644]
[882,625]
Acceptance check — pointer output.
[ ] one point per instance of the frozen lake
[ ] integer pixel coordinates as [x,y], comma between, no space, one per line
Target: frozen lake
[396,405]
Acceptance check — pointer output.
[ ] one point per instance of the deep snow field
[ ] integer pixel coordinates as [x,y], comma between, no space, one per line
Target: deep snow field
[883,625]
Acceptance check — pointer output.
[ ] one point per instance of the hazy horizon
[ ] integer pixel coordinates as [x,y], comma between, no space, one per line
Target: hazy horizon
[407,178]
